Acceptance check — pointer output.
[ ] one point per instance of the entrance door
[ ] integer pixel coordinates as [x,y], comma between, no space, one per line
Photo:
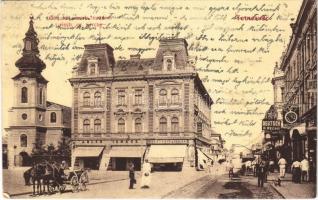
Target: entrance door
[298,147]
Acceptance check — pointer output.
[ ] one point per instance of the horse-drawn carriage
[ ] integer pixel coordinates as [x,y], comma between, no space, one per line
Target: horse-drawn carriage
[76,179]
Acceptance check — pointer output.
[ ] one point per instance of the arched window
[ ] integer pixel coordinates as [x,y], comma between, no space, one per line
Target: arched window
[24,95]
[175,96]
[86,99]
[175,124]
[41,96]
[138,125]
[121,125]
[86,126]
[163,125]
[53,117]
[169,64]
[98,99]
[97,125]
[23,140]
[163,97]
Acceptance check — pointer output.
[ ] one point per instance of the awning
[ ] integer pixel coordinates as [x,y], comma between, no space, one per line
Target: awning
[127,151]
[166,153]
[87,151]
[301,129]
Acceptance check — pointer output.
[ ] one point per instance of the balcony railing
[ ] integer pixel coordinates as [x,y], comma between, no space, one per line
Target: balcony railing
[133,135]
[100,104]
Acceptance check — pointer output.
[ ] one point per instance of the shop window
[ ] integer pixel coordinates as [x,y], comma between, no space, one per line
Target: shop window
[163,125]
[53,117]
[23,140]
[24,95]
[121,125]
[138,125]
[174,124]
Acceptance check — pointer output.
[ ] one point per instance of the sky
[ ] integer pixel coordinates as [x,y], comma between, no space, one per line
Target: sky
[235,43]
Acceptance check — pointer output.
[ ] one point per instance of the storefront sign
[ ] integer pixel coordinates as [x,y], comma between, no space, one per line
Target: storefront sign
[291,117]
[167,142]
[271,125]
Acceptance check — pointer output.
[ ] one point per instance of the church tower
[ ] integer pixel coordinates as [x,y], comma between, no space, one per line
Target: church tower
[27,116]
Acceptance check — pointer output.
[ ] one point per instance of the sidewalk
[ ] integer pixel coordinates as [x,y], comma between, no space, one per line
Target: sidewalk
[289,190]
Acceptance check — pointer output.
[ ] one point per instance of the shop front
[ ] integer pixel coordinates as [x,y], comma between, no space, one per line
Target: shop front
[167,157]
[87,157]
[121,156]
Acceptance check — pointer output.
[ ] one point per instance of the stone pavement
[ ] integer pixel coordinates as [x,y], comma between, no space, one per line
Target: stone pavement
[112,184]
[290,190]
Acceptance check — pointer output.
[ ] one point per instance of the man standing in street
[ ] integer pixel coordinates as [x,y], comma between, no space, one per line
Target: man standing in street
[261,174]
[132,179]
[282,167]
[304,165]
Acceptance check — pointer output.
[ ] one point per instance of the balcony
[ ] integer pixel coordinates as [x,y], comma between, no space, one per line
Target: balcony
[92,106]
[169,104]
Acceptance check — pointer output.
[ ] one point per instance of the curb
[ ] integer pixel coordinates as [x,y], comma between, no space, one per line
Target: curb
[278,192]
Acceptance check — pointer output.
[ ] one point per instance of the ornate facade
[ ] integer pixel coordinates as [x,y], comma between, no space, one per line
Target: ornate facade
[299,64]
[33,119]
[130,110]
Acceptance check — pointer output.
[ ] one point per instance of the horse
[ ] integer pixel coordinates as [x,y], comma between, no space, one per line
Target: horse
[37,172]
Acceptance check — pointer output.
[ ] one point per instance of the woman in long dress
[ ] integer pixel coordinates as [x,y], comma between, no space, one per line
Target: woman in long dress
[146,174]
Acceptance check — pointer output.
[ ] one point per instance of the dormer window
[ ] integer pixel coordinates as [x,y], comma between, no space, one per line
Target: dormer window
[168,61]
[92,64]
[169,64]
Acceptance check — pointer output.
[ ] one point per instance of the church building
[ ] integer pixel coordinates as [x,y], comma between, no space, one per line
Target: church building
[33,119]
[141,108]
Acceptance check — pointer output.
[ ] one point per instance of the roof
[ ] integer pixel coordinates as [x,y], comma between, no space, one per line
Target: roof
[31,74]
[30,62]
[133,66]
[49,103]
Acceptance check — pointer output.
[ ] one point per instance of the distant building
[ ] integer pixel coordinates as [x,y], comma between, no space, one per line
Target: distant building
[33,119]
[299,94]
[130,110]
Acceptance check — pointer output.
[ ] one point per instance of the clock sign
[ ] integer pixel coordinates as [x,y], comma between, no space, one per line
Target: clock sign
[291,117]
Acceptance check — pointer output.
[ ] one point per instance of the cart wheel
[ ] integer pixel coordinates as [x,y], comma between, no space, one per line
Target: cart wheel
[51,188]
[62,188]
[83,180]
[74,184]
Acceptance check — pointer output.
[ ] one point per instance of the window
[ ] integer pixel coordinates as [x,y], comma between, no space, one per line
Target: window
[28,45]
[163,124]
[121,97]
[175,96]
[41,96]
[97,126]
[174,124]
[162,97]
[23,140]
[92,68]
[53,117]
[121,125]
[138,125]
[138,97]
[169,64]
[86,126]
[97,99]
[86,99]
[24,95]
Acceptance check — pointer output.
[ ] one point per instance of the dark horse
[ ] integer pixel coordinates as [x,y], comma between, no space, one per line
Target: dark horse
[37,172]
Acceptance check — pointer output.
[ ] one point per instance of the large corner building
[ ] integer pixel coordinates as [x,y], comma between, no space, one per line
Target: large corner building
[131,110]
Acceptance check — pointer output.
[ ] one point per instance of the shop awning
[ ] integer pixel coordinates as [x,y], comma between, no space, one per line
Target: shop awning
[166,153]
[301,129]
[127,151]
[87,151]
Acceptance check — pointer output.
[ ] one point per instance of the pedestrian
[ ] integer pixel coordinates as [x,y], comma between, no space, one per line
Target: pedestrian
[271,166]
[296,171]
[27,176]
[132,179]
[261,171]
[146,174]
[304,165]
[231,167]
[257,163]
[282,167]
[266,170]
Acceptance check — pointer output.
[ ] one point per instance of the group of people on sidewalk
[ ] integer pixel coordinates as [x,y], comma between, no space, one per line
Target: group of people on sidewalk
[145,176]
[299,169]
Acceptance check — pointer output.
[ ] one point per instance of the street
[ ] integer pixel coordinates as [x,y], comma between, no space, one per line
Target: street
[224,188]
